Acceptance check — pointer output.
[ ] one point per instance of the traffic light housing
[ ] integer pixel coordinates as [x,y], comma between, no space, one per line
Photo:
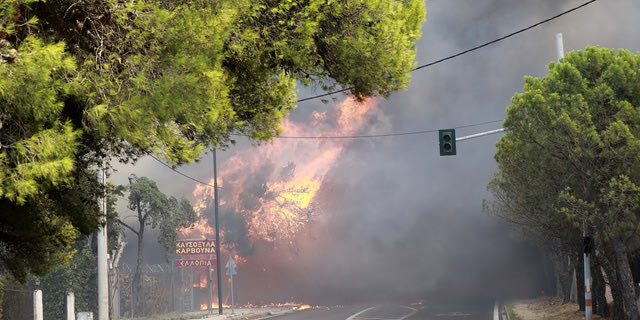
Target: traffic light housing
[447,139]
[587,245]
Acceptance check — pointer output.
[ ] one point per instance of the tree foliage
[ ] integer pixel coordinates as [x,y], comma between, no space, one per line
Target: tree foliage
[153,208]
[83,83]
[570,158]
[77,276]
[79,272]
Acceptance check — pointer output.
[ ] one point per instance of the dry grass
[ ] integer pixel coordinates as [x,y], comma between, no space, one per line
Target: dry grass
[547,308]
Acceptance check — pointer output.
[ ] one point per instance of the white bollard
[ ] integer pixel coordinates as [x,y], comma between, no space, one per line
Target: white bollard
[37,305]
[71,301]
[85,315]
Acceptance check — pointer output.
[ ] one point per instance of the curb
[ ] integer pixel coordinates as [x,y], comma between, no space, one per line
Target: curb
[276,314]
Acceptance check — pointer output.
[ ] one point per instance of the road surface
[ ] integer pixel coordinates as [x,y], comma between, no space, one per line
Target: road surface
[467,311]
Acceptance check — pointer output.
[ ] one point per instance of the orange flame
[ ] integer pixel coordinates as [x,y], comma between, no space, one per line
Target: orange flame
[418,302]
[273,187]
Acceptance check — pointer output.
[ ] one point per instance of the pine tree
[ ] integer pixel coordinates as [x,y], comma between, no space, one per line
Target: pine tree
[84,83]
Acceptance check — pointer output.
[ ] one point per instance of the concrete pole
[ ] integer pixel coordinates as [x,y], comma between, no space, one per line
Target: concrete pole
[559,47]
[71,306]
[103,277]
[587,273]
[37,305]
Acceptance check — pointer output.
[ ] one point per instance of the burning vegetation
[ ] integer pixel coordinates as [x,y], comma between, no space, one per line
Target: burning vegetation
[268,195]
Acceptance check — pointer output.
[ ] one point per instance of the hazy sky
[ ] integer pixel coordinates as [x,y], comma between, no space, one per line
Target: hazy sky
[394,219]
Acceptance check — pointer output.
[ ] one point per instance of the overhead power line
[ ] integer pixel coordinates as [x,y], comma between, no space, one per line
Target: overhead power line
[330,137]
[382,135]
[468,50]
[180,173]
[417,68]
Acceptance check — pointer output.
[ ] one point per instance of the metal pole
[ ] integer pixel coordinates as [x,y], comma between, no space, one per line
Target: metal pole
[209,287]
[103,281]
[215,194]
[232,306]
[587,288]
[131,293]
[486,133]
[173,289]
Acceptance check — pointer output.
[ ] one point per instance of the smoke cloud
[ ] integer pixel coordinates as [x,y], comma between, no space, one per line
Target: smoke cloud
[392,220]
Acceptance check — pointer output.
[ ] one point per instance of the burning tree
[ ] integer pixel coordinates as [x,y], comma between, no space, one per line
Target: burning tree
[269,196]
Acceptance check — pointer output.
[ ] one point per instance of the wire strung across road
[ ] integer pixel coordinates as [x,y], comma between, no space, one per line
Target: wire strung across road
[417,68]
[330,137]
[180,173]
[468,50]
[383,134]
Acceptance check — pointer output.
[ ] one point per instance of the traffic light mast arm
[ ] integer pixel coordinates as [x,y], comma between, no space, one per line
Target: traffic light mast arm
[486,133]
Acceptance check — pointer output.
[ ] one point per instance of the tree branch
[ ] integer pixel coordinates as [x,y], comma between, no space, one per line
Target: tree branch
[126,226]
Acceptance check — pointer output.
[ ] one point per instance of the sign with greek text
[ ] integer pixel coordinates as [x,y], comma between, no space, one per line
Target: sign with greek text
[195,247]
[194,263]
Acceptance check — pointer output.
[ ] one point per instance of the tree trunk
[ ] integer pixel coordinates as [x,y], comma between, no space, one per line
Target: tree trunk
[625,279]
[612,277]
[138,294]
[579,265]
[563,285]
[600,306]
[549,274]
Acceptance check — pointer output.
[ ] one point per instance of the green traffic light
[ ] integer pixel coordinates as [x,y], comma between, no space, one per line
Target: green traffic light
[447,138]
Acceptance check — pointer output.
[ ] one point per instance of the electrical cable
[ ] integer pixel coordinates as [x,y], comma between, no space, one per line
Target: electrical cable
[468,50]
[330,137]
[383,134]
[417,68]
[180,173]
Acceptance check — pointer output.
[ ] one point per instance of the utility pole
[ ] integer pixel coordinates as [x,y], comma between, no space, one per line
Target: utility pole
[103,281]
[215,194]
[587,271]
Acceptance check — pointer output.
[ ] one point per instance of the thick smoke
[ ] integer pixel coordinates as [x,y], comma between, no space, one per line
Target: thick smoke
[394,220]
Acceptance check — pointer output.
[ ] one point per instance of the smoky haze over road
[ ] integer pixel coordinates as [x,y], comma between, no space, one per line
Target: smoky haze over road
[393,219]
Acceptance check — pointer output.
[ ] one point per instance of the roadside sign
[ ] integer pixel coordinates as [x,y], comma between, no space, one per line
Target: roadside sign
[195,247]
[231,265]
[231,271]
[194,263]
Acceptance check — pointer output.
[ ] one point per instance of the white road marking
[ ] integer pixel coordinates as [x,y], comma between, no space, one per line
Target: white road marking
[359,313]
[360,316]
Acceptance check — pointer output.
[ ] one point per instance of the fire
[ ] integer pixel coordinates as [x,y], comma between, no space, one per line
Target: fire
[292,305]
[203,280]
[418,302]
[271,189]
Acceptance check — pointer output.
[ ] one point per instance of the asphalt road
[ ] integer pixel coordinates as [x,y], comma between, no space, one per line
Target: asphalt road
[466,311]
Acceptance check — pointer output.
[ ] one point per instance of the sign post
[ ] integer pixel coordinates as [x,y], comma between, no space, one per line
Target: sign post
[196,253]
[231,270]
